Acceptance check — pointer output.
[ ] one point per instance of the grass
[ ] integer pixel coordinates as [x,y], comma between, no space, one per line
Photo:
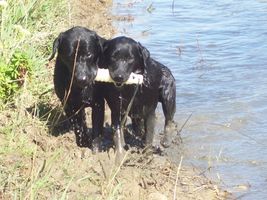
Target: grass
[28,28]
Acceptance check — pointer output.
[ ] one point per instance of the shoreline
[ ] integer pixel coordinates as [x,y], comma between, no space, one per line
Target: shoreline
[39,162]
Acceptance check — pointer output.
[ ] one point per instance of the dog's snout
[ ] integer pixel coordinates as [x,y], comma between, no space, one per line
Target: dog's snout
[119,78]
[82,81]
[83,78]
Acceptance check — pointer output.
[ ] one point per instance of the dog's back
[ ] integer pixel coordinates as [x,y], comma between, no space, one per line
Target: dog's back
[167,92]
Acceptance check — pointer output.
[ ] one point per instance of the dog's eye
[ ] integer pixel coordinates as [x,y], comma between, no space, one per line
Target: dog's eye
[138,71]
[89,55]
[131,60]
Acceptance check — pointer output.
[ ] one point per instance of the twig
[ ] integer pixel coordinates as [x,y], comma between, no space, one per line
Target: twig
[71,83]
[200,51]
[103,169]
[33,159]
[129,107]
[72,76]
[176,181]
[66,189]
[118,169]
[45,92]
[82,106]
[180,130]
[41,169]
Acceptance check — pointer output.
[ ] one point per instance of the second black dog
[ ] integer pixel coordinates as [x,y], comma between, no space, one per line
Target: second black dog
[122,56]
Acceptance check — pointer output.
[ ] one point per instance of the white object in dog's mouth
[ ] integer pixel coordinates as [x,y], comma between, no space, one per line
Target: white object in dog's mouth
[103,76]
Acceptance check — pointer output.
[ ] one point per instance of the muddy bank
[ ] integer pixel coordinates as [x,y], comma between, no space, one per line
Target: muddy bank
[142,176]
[94,15]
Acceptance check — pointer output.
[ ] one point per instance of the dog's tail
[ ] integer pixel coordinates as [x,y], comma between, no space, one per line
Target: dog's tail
[55,47]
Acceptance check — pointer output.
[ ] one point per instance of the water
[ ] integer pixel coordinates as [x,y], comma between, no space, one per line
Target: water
[217,51]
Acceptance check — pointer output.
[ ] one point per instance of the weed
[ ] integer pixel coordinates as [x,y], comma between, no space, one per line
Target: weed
[26,28]
[13,75]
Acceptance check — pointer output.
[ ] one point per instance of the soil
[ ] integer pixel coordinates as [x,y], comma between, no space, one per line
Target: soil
[70,172]
[94,15]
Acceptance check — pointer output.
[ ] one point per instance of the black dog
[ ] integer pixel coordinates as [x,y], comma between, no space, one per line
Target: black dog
[122,56]
[76,67]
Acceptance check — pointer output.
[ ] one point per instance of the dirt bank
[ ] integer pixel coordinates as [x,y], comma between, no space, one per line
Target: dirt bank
[94,15]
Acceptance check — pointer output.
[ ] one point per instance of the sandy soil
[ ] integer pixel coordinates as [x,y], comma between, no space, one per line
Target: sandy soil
[143,175]
[94,15]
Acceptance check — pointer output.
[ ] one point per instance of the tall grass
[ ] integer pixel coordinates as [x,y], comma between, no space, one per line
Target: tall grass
[27,28]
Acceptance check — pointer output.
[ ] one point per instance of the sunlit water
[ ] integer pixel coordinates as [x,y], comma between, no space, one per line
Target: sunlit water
[217,51]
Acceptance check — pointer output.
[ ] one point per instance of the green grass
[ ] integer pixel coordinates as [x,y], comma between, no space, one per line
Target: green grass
[27,30]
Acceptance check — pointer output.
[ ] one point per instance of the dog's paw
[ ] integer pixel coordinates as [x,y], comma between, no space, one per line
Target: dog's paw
[165,142]
[96,145]
[82,140]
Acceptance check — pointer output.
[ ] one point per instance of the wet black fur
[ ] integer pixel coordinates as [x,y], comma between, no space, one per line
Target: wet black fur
[83,92]
[122,56]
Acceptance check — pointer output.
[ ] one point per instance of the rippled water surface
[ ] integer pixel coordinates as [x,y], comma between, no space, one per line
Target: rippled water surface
[217,51]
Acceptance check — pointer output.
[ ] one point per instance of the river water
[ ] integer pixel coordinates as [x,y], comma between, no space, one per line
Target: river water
[217,51]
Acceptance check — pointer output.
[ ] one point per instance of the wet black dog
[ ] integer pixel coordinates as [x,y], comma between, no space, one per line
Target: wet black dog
[76,67]
[122,56]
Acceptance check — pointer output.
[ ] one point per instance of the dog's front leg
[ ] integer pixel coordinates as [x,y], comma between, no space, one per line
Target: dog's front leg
[169,129]
[98,111]
[149,128]
[76,116]
[138,127]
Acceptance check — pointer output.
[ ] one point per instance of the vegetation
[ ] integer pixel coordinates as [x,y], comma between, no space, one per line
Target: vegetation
[27,30]
[27,26]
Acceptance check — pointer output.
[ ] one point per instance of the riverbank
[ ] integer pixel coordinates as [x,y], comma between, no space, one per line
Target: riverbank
[38,161]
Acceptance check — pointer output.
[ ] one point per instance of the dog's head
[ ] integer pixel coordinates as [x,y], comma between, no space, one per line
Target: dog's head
[79,49]
[122,56]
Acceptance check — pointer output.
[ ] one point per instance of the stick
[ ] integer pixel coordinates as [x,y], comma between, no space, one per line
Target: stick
[176,181]
[180,130]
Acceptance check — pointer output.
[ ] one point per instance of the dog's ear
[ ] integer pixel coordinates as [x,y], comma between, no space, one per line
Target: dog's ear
[105,45]
[101,42]
[102,57]
[55,47]
[144,54]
